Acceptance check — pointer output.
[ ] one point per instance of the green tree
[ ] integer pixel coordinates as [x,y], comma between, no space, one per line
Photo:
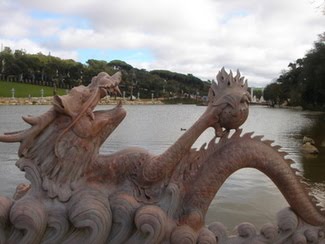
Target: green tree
[65,73]
[272,93]
[120,65]
[304,82]
[314,76]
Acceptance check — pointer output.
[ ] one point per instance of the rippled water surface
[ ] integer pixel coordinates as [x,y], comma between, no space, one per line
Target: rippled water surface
[247,195]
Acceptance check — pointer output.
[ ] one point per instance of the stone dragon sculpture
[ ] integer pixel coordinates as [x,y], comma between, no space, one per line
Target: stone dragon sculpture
[77,195]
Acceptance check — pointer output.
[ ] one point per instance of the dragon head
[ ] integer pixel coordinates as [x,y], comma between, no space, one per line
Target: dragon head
[80,103]
[231,98]
[82,99]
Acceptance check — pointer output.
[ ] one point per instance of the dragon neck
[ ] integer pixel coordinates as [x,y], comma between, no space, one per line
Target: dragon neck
[164,164]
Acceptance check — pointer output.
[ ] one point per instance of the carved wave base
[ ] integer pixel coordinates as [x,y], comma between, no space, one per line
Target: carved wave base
[90,217]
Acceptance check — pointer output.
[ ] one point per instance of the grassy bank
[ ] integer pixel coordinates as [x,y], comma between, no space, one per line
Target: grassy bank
[26,90]
[181,101]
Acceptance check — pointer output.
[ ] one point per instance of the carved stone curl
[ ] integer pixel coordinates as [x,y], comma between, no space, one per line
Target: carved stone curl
[131,196]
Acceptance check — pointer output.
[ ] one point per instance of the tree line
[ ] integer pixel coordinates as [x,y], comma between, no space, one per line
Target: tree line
[40,69]
[303,84]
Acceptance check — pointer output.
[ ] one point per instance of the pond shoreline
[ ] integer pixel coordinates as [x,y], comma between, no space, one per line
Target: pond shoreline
[48,101]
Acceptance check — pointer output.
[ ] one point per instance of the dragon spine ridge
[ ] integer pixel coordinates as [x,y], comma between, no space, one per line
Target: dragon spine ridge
[250,135]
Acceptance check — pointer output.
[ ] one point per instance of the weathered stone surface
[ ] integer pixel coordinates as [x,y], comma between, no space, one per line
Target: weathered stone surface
[80,196]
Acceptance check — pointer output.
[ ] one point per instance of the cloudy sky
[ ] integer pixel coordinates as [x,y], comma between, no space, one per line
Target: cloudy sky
[260,37]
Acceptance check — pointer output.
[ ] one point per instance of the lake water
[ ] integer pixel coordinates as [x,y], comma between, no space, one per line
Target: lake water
[247,196]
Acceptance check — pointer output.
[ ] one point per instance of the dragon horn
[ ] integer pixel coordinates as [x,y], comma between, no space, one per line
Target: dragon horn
[12,136]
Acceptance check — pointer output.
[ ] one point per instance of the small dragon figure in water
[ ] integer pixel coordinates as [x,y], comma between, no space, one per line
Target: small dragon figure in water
[132,196]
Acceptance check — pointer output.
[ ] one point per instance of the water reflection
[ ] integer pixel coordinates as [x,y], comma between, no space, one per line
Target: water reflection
[314,165]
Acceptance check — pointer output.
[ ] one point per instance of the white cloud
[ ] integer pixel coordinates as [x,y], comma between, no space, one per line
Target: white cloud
[198,37]
[32,47]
